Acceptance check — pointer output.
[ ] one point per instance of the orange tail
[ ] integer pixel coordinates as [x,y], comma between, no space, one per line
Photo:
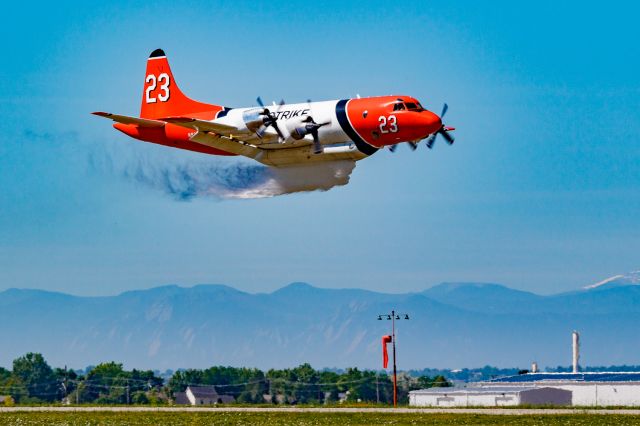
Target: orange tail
[161,96]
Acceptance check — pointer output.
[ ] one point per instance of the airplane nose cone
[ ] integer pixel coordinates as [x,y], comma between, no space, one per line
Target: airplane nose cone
[430,122]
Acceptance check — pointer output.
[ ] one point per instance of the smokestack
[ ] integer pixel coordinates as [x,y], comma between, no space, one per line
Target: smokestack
[534,367]
[576,351]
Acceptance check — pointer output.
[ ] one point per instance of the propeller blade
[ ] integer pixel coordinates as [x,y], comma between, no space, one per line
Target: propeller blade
[445,108]
[317,146]
[393,147]
[431,140]
[413,145]
[277,129]
[260,131]
[259,100]
[449,138]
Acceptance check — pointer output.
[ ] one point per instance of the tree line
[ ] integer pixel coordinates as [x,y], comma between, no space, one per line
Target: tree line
[32,381]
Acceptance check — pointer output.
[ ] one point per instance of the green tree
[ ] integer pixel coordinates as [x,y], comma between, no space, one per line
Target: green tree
[13,386]
[4,374]
[329,386]
[67,380]
[183,378]
[105,384]
[441,382]
[37,376]
[139,398]
[109,383]
[306,387]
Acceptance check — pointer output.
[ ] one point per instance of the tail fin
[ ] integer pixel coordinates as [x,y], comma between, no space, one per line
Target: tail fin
[161,96]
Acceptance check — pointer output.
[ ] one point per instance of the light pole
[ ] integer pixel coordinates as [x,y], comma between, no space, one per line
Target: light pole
[393,317]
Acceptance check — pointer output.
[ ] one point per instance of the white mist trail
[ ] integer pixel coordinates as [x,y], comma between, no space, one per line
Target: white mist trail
[186,179]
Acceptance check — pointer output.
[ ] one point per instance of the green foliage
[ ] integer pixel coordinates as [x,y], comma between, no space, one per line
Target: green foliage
[4,374]
[33,380]
[139,398]
[109,383]
[37,377]
[246,384]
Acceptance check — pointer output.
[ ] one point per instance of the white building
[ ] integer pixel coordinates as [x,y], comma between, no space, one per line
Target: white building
[587,389]
[489,396]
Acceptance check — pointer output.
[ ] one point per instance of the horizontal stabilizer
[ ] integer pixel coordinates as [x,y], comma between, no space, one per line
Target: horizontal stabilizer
[142,122]
[201,125]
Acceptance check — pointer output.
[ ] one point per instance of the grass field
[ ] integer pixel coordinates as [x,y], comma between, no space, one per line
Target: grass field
[340,419]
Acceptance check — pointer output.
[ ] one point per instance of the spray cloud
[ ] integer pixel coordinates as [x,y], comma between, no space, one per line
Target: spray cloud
[188,178]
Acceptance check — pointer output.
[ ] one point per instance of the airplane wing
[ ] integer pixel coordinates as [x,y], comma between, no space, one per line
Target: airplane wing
[225,143]
[227,131]
[215,135]
[142,122]
[202,125]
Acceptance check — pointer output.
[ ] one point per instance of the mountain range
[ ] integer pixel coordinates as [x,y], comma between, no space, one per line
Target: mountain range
[451,325]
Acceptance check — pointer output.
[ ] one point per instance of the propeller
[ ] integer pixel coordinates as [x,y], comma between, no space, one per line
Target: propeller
[270,119]
[444,131]
[309,127]
[412,144]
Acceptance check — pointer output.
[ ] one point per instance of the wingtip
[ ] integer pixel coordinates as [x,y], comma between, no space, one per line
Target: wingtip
[101,114]
[157,53]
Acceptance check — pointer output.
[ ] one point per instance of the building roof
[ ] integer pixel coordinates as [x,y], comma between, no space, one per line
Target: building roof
[475,390]
[203,392]
[226,399]
[181,398]
[572,377]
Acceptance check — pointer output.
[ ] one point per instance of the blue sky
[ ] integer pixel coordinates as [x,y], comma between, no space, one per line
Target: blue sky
[541,190]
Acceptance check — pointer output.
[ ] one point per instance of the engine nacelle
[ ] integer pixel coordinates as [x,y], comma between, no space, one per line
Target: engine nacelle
[297,129]
[253,118]
[299,133]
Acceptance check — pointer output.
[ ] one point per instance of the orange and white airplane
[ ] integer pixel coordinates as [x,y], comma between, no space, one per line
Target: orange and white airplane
[282,135]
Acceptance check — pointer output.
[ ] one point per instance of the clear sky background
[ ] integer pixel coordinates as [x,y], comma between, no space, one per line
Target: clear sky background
[541,190]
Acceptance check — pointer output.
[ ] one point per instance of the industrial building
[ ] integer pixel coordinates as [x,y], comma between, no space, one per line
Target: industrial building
[489,397]
[586,389]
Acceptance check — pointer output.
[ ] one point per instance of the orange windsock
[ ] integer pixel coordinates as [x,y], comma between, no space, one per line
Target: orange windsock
[385,355]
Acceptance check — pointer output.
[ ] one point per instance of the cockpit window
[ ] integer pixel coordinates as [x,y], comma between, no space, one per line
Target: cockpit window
[398,107]
[412,106]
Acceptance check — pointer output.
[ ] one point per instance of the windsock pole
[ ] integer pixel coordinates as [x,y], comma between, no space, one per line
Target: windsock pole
[395,375]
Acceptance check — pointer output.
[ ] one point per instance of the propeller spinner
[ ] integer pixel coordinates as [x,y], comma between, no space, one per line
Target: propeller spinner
[444,131]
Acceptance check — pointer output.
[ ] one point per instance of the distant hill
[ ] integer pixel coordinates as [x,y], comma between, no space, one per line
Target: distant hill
[451,325]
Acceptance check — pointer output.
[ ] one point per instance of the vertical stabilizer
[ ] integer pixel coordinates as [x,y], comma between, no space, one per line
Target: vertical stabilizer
[161,96]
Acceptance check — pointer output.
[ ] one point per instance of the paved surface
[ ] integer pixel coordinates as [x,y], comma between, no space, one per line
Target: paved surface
[492,411]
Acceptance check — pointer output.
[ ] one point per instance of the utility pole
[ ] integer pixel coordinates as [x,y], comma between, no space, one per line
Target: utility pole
[64,382]
[393,317]
[377,390]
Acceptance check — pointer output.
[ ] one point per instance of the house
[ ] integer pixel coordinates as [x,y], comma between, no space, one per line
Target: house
[202,395]
[180,398]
